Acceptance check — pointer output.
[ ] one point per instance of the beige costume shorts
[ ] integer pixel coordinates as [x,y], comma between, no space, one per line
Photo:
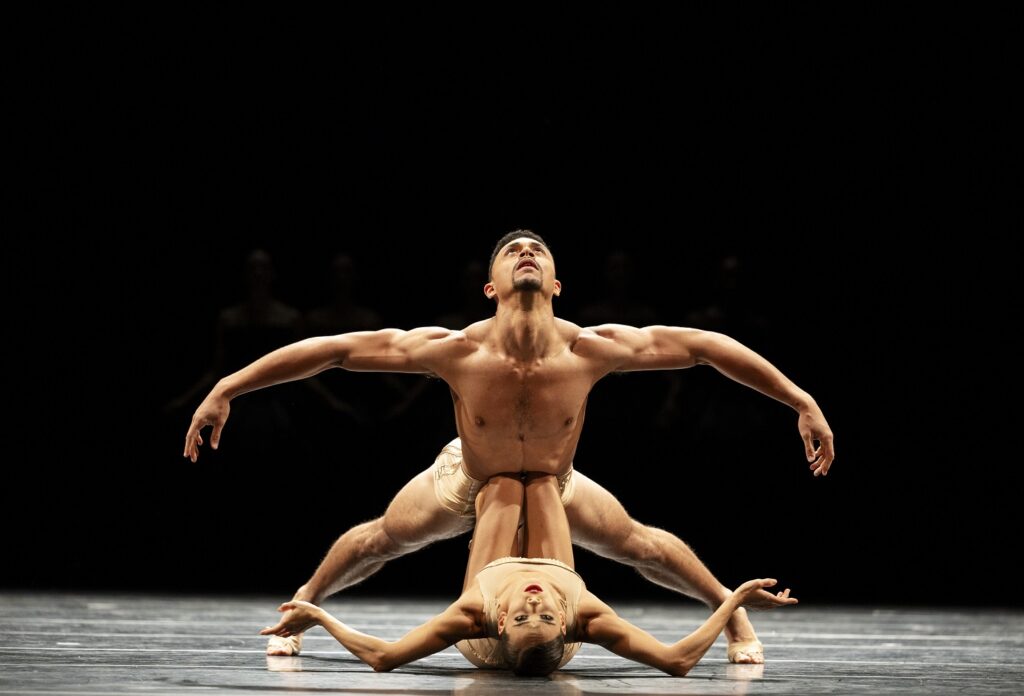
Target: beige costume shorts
[456,490]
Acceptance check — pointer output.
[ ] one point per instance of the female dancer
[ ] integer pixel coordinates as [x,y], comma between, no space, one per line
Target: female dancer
[523,607]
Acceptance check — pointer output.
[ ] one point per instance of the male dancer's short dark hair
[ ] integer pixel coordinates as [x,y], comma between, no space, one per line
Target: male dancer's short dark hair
[514,234]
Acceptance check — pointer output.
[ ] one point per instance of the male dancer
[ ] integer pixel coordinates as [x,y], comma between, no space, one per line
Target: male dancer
[519,382]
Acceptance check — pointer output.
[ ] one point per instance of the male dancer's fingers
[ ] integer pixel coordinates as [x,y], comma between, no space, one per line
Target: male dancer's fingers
[816,466]
[809,447]
[196,444]
[193,439]
[830,453]
[215,437]
[188,439]
[824,461]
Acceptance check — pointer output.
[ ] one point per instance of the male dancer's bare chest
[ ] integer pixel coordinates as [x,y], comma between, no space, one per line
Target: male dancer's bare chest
[521,401]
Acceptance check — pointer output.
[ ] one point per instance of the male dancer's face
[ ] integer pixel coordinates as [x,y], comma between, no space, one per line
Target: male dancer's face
[523,265]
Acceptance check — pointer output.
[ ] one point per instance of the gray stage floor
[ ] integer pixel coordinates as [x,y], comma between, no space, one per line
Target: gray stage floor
[102,644]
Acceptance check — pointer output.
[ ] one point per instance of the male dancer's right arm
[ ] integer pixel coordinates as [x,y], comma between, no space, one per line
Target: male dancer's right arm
[387,350]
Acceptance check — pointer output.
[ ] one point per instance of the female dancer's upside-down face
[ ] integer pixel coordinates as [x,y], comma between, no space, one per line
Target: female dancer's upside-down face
[531,612]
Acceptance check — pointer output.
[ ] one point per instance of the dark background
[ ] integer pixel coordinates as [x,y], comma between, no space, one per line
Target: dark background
[826,186]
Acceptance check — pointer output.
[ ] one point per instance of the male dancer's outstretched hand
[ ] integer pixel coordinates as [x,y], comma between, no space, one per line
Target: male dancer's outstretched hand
[213,411]
[813,426]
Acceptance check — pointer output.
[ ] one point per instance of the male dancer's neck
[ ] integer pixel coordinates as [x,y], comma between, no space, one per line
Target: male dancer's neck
[525,328]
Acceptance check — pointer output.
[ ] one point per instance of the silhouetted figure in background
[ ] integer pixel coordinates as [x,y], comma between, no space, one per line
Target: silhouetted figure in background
[245,331]
[708,407]
[473,306]
[729,306]
[619,305]
[342,314]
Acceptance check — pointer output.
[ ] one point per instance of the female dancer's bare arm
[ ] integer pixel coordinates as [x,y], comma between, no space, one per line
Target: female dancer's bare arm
[547,527]
[499,508]
[458,621]
[603,626]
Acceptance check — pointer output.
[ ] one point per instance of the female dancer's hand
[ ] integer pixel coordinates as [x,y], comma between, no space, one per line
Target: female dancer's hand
[300,616]
[752,594]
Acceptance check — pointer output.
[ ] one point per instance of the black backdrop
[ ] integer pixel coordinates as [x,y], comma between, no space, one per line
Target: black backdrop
[823,185]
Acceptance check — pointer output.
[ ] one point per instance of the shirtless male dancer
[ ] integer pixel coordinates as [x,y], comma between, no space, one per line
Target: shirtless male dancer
[519,382]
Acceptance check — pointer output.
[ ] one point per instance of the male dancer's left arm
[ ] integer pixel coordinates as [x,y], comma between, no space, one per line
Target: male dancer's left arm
[674,347]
